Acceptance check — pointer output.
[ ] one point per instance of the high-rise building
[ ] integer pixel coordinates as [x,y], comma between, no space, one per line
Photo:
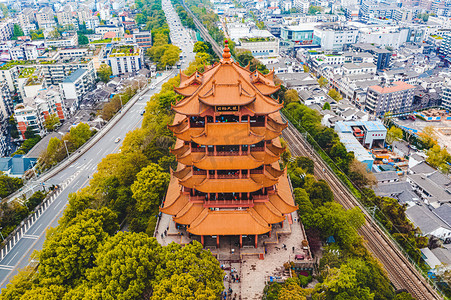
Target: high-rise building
[228,181]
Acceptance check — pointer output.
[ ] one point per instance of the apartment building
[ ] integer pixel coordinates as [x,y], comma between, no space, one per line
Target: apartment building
[143,39]
[77,84]
[358,68]
[394,98]
[9,72]
[26,18]
[35,110]
[68,41]
[56,71]
[24,52]
[6,30]
[46,18]
[125,58]
[66,16]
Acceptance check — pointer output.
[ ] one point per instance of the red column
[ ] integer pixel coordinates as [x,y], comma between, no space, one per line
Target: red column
[256,240]
[202,240]
[270,232]
[217,241]
[282,224]
[241,241]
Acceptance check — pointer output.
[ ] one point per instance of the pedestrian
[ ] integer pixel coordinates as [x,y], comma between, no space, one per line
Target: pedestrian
[293,249]
[161,235]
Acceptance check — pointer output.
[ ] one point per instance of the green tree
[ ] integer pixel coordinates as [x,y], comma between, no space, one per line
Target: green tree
[313,10]
[30,133]
[394,134]
[322,81]
[79,134]
[51,122]
[334,94]
[83,39]
[190,264]
[200,47]
[291,95]
[439,158]
[428,137]
[104,73]
[124,267]
[17,31]
[13,127]
[9,185]
[326,106]
[149,187]
[55,34]
[67,253]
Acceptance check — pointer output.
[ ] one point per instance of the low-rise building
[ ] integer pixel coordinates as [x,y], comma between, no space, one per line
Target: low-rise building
[334,36]
[368,133]
[433,188]
[395,98]
[260,46]
[24,52]
[429,223]
[68,41]
[17,165]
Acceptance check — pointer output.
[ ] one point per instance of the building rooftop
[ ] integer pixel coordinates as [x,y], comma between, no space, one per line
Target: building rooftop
[385,176]
[444,213]
[424,219]
[16,166]
[75,75]
[369,125]
[396,87]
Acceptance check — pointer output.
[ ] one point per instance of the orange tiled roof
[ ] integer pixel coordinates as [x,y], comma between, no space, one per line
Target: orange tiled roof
[229,222]
[396,87]
[226,83]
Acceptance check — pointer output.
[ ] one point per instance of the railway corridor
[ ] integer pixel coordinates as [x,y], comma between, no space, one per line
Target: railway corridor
[400,271]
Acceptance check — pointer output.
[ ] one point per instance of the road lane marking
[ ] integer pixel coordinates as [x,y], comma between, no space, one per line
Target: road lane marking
[31,248]
[12,258]
[30,236]
[34,231]
[4,267]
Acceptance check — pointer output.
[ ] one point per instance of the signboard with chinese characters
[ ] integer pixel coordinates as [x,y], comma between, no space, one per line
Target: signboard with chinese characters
[228,108]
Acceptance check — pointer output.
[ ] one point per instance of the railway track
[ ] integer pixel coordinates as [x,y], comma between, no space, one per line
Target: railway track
[401,272]
[203,31]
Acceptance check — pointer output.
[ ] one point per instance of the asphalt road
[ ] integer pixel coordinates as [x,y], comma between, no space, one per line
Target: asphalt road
[77,174]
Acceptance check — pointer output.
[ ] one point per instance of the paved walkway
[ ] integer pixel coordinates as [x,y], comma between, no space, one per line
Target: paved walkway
[252,266]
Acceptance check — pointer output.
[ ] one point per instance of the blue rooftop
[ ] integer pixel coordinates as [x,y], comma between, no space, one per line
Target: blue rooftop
[16,166]
[75,75]
[369,125]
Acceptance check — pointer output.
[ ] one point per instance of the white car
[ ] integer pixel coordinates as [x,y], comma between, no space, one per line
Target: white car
[117,140]
[152,86]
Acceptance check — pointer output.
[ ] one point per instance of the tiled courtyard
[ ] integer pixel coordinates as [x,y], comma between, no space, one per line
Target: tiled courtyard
[252,266]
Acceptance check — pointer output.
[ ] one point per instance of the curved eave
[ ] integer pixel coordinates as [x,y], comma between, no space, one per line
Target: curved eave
[227,162]
[239,103]
[269,215]
[281,205]
[189,213]
[177,205]
[228,223]
[228,186]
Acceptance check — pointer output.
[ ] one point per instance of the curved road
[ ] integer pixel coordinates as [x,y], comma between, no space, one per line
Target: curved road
[76,176]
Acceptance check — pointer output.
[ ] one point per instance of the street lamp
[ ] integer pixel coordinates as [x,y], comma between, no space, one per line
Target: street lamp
[1,233]
[122,105]
[65,145]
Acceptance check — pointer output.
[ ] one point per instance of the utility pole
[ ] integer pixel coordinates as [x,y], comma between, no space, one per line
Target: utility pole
[65,145]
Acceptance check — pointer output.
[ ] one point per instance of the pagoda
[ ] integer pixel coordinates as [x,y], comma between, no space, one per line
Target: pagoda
[228,180]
